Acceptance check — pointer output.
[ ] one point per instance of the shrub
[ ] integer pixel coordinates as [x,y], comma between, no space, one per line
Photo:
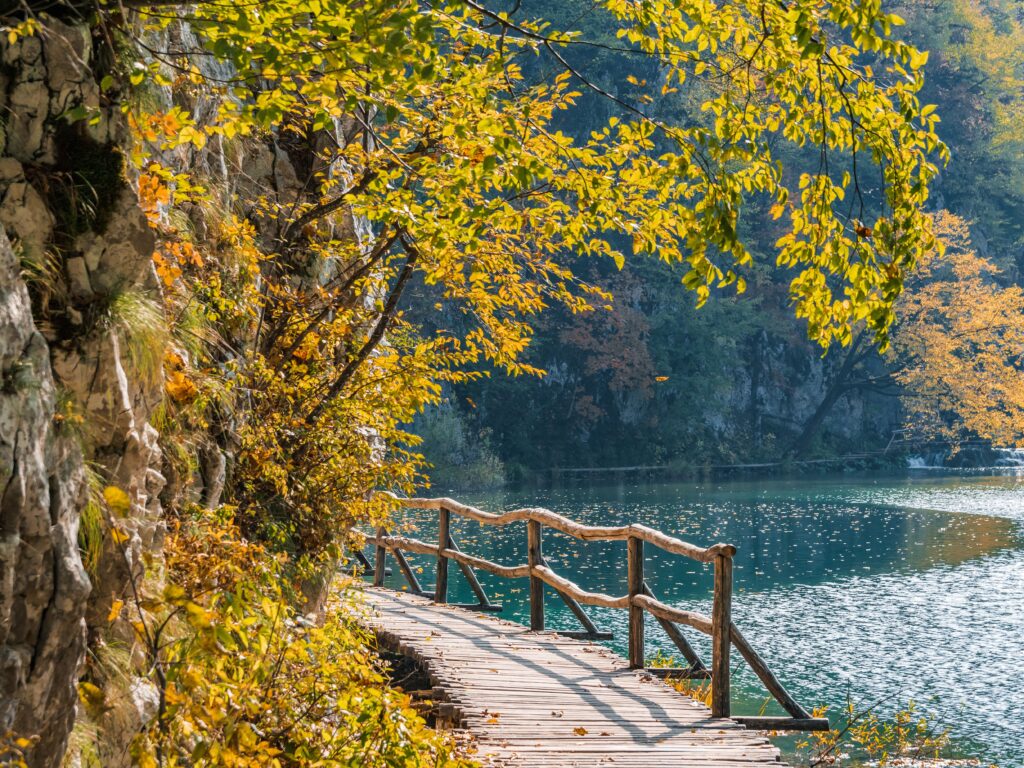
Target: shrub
[244,680]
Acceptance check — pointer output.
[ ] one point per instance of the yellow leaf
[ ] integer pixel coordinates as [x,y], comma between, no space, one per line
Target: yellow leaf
[92,697]
[579,730]
[119,536]
[197,616]
[117,500]
[173,592]
[115,610]
[180,387]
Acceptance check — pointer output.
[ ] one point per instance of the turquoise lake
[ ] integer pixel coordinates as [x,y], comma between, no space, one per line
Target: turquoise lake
[883,589]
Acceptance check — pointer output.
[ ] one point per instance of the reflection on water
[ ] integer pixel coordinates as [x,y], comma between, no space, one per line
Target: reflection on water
[909,588]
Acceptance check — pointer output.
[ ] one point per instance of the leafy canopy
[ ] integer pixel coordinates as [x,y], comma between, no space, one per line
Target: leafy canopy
[437,125]
[449,149]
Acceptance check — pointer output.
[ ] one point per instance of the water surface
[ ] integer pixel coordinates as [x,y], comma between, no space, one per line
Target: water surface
[880,589]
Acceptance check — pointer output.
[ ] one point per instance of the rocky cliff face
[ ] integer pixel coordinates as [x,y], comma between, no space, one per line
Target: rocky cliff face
[781,385]
[43,585]
[75,253]
[81,320]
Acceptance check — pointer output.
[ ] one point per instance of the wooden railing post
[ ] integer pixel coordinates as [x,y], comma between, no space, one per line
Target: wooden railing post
[535,558]
[721,636]
[443,537]
[380,560]
[635,576]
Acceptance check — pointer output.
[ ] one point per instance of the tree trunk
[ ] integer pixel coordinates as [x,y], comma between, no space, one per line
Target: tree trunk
[840,386]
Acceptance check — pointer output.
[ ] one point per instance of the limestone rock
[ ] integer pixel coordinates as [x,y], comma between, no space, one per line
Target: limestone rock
[102,246]
[22,210]
[43,586]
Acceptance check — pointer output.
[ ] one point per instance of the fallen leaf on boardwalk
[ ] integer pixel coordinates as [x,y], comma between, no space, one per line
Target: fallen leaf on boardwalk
[580,730]
[605,733]
[555,714]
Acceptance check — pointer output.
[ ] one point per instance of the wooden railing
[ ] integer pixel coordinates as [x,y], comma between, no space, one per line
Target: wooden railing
[638,600]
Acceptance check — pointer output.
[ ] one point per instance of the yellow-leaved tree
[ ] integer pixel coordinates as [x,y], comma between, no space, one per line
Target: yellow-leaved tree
[959,346]
[417,118]
[309,163]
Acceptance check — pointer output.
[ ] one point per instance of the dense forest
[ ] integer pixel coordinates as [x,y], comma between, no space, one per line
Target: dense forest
[655,381]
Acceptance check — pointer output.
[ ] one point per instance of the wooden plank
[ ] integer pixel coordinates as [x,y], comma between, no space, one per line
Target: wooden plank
[488,608]
[588,635]
[523,695]
[785,723]
[679,673]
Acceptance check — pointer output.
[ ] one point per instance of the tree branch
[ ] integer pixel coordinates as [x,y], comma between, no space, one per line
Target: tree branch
[377,335]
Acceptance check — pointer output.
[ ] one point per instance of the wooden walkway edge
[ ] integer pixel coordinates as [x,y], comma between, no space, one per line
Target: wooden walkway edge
[538,699]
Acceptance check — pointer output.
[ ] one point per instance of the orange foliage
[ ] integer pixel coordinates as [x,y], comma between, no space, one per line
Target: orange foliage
[960,343]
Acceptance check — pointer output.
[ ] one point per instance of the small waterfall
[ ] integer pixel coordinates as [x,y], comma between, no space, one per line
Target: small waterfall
[933,460]
[1010,457]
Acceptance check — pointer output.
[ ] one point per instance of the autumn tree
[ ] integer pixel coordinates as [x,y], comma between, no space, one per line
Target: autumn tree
[976,72]
[959,346]
[420,122]
[956,358]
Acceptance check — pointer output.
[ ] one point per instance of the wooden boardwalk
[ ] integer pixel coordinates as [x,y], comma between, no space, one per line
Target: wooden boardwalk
[541,700]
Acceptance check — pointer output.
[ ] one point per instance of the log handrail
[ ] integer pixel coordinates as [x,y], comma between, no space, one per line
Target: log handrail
[599,599]
[423,548]
[654,607]
[663,611]
[638,601]
[584,532]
